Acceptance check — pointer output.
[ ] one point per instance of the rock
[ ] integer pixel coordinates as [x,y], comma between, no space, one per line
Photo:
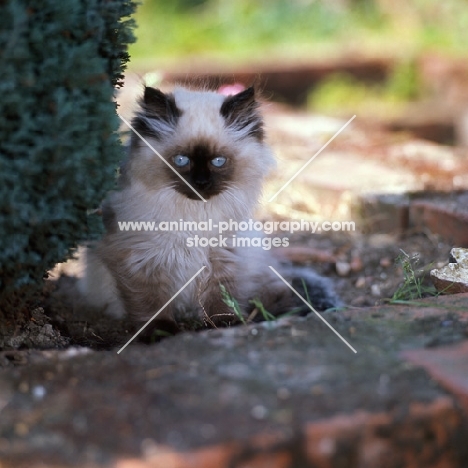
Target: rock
[356,264]
[452,278]
[343,268]
[380,241]
[361,301]
[385,262]
[361,282]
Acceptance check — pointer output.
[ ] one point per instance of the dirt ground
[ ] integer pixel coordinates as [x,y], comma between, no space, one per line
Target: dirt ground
[375,264]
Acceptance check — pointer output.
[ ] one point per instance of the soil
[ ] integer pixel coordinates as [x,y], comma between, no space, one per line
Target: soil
[375,261]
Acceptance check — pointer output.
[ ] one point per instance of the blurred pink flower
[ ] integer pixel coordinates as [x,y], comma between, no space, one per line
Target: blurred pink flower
[230,89]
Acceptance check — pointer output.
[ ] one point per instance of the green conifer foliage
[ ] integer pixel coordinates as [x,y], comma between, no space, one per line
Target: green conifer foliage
[59,64]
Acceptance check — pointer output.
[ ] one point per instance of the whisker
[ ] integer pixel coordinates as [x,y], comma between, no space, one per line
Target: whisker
[230,194]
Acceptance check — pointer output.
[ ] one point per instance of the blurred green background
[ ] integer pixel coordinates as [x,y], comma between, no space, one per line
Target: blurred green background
[204,36]
[269,30]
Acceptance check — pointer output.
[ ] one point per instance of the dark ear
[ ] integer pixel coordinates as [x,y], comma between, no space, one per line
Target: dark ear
[238,102]
[156,103]
[240,112]
[158,114]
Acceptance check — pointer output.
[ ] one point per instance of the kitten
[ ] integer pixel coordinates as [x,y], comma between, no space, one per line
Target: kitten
[215,144]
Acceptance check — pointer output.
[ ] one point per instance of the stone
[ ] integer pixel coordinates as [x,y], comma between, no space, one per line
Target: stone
[343,268]
[452,278]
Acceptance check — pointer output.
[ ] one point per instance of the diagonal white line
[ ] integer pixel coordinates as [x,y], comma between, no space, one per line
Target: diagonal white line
[312,158]
[311,308]
[157,154]
[161,309]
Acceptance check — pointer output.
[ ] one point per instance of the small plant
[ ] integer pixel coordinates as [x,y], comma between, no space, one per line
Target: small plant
[267,316]
[304,285]
[413,280]
[232,303]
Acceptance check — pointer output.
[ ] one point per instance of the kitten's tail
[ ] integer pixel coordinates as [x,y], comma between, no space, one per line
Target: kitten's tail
[315,289]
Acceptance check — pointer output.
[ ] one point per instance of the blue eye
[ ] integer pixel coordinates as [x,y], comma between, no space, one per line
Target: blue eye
[180,160]
[218,161]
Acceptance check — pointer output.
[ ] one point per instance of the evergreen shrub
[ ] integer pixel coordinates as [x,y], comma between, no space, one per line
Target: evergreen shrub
[60,62]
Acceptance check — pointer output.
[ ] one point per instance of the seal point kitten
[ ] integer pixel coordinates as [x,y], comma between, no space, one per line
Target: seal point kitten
[215,143]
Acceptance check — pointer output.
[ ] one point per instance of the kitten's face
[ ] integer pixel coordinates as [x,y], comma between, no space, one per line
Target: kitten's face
[208,168]
[210,142]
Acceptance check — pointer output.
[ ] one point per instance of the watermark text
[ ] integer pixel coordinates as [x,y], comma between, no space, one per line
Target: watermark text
[231,226]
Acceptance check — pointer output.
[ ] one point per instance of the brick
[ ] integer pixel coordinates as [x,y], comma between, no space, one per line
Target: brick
[386,439]
[259,452]
[290,83]
[268,460]
[387,213]
[423,121]
[447,365]
[363,439]
[210,457]
[451,224]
